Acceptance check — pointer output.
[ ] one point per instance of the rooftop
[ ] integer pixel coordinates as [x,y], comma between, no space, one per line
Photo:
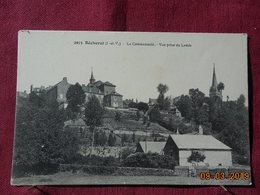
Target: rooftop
[155,147]
[198,142]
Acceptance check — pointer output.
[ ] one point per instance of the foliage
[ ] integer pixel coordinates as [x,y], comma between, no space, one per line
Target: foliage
[164,103]
[142,106]
[75,97]
[162,89]
[241,101]
[118,116]
[184,106]
[133,138]
[154,114]
[132,105]
[95,160]
[93,112]
[111,139]
[126,152]
[227,121]
[37,100]
[221,86]
[40,138]
[149,160]
[100,138]
[196,157]
[124,139]
[138,115]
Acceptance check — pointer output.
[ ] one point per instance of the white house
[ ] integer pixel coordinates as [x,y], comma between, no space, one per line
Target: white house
[182,146]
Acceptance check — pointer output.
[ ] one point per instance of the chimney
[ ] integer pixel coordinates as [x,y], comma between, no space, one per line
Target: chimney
[65,79]
[31,88]
[177,132]
[200,130]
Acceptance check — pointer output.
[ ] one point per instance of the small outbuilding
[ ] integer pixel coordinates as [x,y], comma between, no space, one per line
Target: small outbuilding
[182,146]
[149,146]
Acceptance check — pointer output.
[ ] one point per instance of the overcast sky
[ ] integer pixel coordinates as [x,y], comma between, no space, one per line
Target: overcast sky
[46,57]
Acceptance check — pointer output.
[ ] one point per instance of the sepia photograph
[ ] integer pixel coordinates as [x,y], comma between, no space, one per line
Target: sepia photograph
[131,108]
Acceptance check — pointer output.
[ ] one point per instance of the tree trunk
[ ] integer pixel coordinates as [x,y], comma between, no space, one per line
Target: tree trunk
[92,144]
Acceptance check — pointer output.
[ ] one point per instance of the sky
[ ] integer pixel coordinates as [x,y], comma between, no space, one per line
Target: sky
[45,57]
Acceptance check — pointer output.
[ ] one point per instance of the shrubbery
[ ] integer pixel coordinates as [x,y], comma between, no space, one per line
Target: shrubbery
[95,160]
[149,160]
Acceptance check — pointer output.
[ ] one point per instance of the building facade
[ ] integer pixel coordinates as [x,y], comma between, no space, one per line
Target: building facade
[104,91]
[58,92]
[182,146]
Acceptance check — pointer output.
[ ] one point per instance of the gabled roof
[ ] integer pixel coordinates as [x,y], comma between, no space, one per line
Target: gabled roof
[115,94]
[109,84]
[98,83]
[52,87]
[92,88]
[155,147]
[206,142]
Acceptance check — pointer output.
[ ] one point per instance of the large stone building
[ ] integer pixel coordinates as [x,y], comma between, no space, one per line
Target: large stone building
[104,91]
[58,92]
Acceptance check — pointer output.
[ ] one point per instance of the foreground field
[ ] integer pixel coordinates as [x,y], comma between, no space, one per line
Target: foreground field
[68,178]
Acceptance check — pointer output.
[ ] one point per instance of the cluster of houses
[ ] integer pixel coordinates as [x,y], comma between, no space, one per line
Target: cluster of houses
[104,91]
[180,146]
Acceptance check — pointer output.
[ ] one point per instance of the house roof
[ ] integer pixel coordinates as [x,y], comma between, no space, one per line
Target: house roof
[109,84]
[155,147]
[115,94]
[91,88]
[207,142]
[98,83]
[50,88]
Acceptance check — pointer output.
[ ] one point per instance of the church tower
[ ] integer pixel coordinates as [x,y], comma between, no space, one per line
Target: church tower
[213,91]
[92,79]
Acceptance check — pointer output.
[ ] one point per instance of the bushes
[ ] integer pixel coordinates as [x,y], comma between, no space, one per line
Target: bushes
[116,171]
[149,160]
[96,160]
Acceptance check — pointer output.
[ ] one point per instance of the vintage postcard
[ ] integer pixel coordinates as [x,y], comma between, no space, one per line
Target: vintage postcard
[97,108]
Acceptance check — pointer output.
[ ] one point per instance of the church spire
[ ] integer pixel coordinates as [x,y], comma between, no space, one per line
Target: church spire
[214,84]
[92,79]
[213,91]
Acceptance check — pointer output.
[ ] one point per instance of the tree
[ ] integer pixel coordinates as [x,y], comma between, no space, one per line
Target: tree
[132,105]
[123,139]
[138,115]
[154,114]
[162,89]
[162,102]
[75,97]
[133,138]
[93,115]
[118,116]
[197,98]
[142,106]
[221,86]
[196,157]
[184,106]
[40,138]
[100,138]
[37,100]
[111,139]
[241,101]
